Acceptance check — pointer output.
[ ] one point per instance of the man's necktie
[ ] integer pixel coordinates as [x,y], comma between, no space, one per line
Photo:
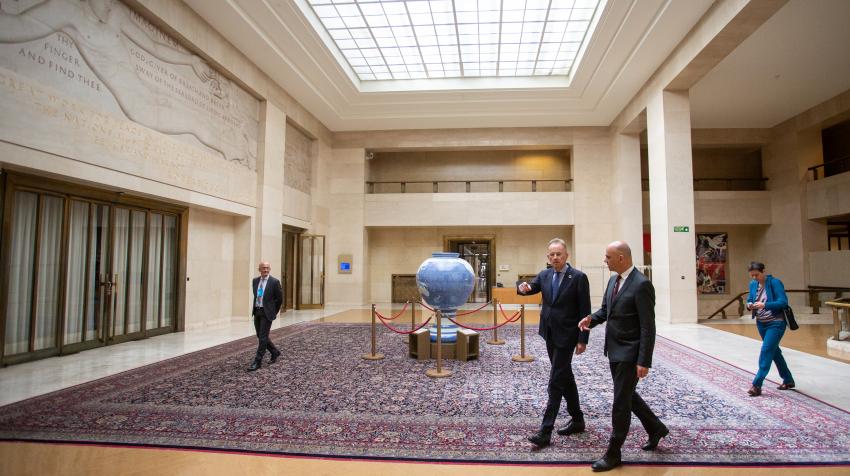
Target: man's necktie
[556,281]
[616,287]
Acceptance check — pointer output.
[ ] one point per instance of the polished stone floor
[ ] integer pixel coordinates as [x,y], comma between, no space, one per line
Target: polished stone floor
[825,379]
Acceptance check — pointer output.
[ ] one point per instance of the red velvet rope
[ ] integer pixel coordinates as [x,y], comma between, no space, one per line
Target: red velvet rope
[459,313]
[505,315]
[397,331]
[476,310]
[509,320]
[393,317]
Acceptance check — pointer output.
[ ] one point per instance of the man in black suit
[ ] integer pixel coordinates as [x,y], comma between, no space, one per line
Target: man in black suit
[629,308]
[268,297]
[566,299]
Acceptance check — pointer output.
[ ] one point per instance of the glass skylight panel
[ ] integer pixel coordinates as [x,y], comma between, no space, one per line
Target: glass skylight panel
[418,39]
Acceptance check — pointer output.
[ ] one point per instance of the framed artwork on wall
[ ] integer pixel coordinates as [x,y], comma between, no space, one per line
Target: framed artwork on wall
[712,253]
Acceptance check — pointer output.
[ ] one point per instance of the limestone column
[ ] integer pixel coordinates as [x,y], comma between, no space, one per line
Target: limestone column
[671,204]
[268,231]
[626,194]
[346,228]
[594,218]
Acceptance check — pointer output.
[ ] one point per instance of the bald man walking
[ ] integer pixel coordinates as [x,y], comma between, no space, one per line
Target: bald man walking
[629,308]
[268,297]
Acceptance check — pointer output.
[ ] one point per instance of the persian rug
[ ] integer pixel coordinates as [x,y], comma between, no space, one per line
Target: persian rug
[322,399]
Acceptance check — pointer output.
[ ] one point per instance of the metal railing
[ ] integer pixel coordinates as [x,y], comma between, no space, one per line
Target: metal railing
[839,307]
[834,162]
[722,184]
[469,186]
[813,292]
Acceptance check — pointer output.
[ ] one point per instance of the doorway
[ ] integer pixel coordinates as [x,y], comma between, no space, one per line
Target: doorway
[288,265]
[480,253]
[311,272]
[80,271]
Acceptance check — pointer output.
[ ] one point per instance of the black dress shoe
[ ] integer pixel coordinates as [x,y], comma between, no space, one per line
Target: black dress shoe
[274,357]
[571,429]
[541,439]
[654,439]
[254,366]
[606,463]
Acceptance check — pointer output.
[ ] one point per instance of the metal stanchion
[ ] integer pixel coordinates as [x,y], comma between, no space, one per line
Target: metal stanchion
[495,340]
[522,357]
[410,337]
[373,355]
[439,371]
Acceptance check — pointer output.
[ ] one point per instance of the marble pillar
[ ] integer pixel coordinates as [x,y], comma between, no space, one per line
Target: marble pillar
[671,203]
[268,232]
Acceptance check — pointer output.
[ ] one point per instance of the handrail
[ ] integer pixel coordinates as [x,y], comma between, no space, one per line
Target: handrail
[815,168]
[842,303]
[813,293]
[436,183]
[699,180]
[741,306]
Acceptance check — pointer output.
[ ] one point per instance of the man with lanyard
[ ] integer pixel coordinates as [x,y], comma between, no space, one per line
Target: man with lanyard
[268,297]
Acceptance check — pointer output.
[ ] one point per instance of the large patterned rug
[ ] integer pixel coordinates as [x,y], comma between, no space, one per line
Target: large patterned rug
[322,399]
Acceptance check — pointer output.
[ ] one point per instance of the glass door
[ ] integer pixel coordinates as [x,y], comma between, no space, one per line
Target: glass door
[128,237]
[86,290]
[33,266]
[78,272]
[311,272]
[287,271]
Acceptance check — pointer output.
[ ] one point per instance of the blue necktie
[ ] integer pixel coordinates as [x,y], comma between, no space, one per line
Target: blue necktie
[556,281]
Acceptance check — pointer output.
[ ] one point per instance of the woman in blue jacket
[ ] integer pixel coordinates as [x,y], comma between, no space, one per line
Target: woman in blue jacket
[767,300]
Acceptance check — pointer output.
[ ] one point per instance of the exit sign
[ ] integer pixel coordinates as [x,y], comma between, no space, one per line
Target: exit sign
[680,229]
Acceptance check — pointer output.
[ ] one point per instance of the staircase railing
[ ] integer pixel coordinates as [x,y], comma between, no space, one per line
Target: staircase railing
[813,292]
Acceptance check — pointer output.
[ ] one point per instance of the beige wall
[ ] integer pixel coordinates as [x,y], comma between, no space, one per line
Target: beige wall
[210,265]
[828,197]
[830,268]
[402,250]
[469,165]
[469,209]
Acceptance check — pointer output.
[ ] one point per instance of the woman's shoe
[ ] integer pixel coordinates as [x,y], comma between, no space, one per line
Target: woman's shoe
[754,391]
[786,386]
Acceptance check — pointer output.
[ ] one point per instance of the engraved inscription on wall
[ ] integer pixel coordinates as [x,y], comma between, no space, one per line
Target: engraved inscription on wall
[297,160]
[102,53]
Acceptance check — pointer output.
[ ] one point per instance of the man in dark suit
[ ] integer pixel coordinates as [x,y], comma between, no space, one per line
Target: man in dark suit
[268,297]
[566,299]
[629,308]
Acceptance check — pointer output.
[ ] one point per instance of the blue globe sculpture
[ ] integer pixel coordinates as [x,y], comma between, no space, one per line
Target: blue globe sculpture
[445,282]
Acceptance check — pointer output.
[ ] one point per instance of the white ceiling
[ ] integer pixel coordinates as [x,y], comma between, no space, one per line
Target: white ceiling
[799,58]
[633,38]
[796,60]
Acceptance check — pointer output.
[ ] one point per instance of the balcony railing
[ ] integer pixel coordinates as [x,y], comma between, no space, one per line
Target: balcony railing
[469,186]
[831,167]
[721,184]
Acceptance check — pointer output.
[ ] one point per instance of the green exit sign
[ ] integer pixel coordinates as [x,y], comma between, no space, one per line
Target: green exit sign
[680,229]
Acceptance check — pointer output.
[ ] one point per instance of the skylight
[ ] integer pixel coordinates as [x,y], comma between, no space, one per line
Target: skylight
[423,39]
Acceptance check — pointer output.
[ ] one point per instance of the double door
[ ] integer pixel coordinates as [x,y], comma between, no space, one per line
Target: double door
[81,273]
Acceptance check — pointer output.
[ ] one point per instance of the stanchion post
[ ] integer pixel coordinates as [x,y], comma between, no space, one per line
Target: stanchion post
[412,320]
[374,355]
[495,339]
[522,357]
[438,372]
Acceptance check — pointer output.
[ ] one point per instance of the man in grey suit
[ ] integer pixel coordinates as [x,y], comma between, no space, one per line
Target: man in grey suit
[629,308]
[566,299]
[268,297]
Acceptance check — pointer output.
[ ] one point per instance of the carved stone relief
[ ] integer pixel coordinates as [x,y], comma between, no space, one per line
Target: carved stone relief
[298,160]
[103,54]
